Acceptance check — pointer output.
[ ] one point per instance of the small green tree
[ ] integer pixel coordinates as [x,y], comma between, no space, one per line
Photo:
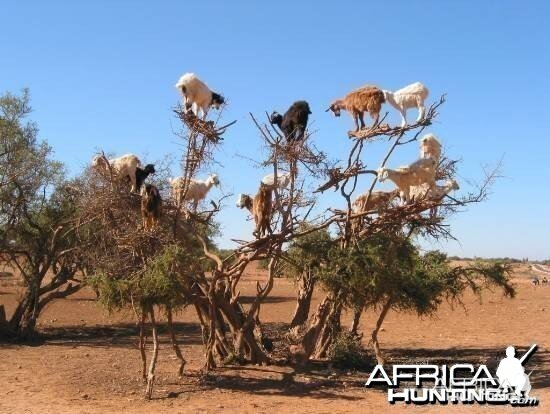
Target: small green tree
[35,214]
[388,272]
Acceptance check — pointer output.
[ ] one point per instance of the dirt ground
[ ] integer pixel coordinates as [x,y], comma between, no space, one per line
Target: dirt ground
[88,361]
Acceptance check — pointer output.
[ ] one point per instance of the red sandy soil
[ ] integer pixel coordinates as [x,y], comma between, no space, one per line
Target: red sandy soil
[88,362]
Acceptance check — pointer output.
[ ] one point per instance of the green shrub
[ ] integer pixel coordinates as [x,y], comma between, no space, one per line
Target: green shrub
[346,352]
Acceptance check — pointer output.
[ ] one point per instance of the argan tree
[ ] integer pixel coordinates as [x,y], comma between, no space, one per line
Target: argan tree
[35,211]
[152,271]
[376,263]
[386,271]
[372,264]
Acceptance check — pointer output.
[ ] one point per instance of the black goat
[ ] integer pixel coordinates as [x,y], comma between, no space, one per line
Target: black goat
[142,174]
[294,122]
[151,206]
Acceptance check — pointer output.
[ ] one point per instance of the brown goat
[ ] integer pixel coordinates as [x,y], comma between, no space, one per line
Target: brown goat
[261,207]
[151,206]
[365,99]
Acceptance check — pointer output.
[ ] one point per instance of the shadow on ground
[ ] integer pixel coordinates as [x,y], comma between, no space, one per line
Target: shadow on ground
[269,299]
[252,380]
[107,336]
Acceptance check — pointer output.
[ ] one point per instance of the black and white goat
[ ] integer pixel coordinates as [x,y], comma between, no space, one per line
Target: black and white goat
[294,122]
[197,96]
[142,174]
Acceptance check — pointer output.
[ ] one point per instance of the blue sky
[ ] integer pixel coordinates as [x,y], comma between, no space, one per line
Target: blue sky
[101,76]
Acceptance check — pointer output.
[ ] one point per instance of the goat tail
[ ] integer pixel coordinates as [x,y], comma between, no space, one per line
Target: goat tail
[374,104]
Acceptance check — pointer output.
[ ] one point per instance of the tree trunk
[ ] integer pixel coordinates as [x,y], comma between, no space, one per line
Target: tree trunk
[23,320]
[4,327]
[211,341]
[175,345]
[357,312]
[142,342]
[14,324]
[246,321]
[376,346]
[221,348]
[303,352]
[153,363]
[244,340]
[331,329]
[356,318]
[305,292]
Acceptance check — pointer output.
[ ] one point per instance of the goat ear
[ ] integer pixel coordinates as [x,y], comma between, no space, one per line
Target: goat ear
[328,109]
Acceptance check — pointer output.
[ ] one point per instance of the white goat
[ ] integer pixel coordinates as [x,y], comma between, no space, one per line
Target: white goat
[411,96]
[436,193]
[197,189]
[378,200]
[440,191]
[124,166]
[430,147]
[197,95]
[283,180]
[418,173]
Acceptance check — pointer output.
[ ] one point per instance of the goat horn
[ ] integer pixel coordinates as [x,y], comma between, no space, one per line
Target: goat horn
[328,109]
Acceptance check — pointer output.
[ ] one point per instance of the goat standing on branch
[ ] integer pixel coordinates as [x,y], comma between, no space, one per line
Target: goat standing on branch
[294,122]
[436,193]
[151,206]
[283,180]
[197,96]
[196,190]
[365,99]
[411,96]
[420,172]
[378,200]
[261,207]
[142,174]
[124,166]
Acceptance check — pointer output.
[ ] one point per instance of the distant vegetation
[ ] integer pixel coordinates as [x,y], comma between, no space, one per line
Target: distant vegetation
[501,260]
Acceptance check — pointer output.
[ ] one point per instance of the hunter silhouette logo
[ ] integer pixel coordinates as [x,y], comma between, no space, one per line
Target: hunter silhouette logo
[460,383]
[510,371]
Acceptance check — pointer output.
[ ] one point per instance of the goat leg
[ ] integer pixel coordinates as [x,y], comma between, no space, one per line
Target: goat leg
[355,118]
[361,118]
[421,111]
[403,118]
[376,119]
